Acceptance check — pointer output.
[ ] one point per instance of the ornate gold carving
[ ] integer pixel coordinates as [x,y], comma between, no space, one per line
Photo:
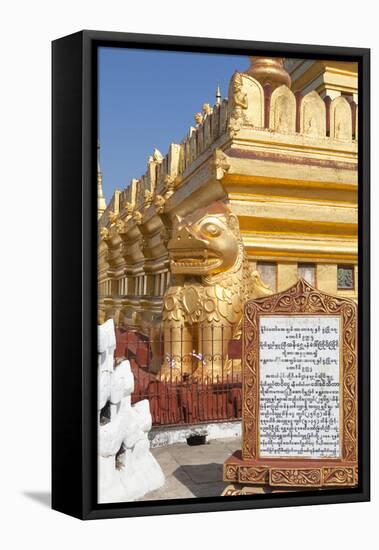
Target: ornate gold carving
[304,477]
[230,491]
[207,109]
[148,198]
[239,104]
[300,298]
[230,472]
[169,186]
[206,244]
[221,163]
[340,119]
[338,476]
[137,217]
[104,234]
[129,207]
[198,119]
[235,490]
[283,111]
[112,217]
[331,476]
[120,226]
[356,477]
[249,474]
[159,204]
[313,115]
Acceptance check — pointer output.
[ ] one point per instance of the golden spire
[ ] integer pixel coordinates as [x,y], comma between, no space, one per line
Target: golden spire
[218,95]
[101,204]
[269,70]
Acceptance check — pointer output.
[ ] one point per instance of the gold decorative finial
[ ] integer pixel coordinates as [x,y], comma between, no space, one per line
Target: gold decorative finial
[198,118]
[101,204]
[207,109]
[269,70]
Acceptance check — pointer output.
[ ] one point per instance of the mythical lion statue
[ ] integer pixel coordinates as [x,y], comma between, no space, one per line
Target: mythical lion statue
[212,278]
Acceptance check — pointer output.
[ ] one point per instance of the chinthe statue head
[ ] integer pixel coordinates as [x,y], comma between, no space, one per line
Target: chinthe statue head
[205,242]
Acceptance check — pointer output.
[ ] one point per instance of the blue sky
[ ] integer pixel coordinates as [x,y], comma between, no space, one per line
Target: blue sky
[147,99]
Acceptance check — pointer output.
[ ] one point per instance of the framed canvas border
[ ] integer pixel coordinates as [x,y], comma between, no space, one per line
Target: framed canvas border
[74,273]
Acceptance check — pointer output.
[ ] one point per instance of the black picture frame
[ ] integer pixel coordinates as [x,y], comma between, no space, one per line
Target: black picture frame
[74,333]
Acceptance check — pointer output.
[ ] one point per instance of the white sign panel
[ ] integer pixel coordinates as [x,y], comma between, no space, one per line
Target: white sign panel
[299,386]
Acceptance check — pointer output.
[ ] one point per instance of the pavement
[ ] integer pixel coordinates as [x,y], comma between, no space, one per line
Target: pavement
[193,471]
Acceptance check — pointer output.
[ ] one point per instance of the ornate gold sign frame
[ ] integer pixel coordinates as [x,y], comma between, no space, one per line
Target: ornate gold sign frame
[247,467]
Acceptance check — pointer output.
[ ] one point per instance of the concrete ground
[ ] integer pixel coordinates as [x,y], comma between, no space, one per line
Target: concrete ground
[193,471]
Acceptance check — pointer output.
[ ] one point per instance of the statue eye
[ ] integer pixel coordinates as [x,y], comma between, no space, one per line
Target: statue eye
[212,229]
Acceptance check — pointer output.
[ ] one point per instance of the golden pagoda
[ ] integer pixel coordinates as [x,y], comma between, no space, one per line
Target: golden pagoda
[279,158]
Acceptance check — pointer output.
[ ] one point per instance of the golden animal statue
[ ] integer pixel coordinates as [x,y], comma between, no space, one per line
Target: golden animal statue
[129,207]
[137,217]
[207,109]
[169,186]
[104,233]
[120,226]
[112,217]
[198,118]
[212,279]
[159,203]
[148,198]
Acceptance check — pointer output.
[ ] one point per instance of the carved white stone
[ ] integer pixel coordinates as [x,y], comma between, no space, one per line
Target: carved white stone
[127,469]
[283,111]
[313,115]
[340,119]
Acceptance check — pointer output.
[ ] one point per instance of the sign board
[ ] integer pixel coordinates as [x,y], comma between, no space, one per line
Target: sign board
[300,391]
